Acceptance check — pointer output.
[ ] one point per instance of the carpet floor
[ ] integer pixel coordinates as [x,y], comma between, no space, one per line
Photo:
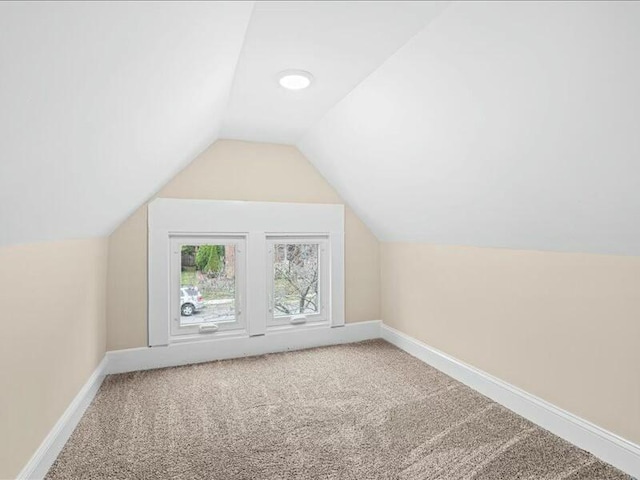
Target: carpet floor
[359,411]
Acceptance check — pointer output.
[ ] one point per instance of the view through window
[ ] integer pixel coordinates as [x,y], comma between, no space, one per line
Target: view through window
[207,284]
[295,281]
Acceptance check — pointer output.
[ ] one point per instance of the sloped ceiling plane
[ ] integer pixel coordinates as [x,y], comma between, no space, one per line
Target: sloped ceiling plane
[505,124]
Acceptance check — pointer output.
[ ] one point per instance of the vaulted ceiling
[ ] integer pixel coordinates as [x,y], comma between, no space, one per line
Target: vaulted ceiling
[508,124]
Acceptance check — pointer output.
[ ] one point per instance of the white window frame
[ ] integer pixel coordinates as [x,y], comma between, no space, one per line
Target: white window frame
[255,221]
[238,325]
[324,281]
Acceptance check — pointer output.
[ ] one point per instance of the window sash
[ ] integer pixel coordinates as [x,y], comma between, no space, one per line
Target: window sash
[177,330]
[324,292]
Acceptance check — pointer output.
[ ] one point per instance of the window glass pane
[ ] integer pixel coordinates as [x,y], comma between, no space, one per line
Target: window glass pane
[207,284]
[295,279]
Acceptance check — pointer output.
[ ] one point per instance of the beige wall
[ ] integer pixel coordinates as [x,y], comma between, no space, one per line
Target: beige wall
[234,170]
[562,326]
[52,305]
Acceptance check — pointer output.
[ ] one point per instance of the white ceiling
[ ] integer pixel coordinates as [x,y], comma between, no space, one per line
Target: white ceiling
[102,103]
[509,124]
[340,43]
[506,124]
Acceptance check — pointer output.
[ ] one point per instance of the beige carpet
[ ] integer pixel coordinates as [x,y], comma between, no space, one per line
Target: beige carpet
[359,411]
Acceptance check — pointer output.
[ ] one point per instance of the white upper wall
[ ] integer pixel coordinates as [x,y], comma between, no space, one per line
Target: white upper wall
[102,103]
[506,124]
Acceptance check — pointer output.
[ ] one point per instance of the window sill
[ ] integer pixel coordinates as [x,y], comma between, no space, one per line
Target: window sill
[204,337]
[301,326]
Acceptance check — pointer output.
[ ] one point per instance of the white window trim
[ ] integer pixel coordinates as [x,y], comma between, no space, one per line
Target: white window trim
[256,221]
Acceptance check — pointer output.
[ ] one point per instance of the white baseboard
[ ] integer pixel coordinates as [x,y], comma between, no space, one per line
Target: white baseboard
[39,464]
[134,359]
[120,361]
[603,444]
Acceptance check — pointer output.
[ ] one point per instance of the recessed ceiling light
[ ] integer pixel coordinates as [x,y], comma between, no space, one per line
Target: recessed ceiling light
[295,79]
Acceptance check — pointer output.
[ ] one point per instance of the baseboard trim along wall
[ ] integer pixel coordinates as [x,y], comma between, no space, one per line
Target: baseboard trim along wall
[603,444]
[39,464]
[130,360]
[134,359]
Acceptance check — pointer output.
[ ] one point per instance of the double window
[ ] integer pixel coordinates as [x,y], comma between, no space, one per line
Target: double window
[208,282]
[243,268]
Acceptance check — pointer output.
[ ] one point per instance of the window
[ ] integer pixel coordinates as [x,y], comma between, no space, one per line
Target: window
[207,284]
[222,269]
[298,282]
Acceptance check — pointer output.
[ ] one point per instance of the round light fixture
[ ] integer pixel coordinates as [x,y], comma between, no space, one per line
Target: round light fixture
[295,79]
